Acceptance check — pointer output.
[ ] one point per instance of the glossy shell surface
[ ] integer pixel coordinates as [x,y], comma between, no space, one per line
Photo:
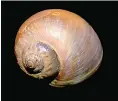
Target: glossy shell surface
[70,45]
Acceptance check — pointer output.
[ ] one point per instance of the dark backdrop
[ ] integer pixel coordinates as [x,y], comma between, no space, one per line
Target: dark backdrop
[17,86]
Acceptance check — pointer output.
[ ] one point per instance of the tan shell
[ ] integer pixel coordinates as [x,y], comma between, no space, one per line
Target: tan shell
[58,41]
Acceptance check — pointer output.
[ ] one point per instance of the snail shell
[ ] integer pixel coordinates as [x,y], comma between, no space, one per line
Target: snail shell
[58,41]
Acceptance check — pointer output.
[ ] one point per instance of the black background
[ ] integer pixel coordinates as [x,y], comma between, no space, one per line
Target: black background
[17,86]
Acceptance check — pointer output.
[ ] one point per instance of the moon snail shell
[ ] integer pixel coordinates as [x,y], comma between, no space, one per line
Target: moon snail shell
[58,41]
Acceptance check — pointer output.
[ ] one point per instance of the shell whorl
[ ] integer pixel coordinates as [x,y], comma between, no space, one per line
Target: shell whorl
[58,41]
[40,59]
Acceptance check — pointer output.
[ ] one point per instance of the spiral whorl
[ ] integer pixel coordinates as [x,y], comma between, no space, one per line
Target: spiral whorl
[33,63]
[38,58]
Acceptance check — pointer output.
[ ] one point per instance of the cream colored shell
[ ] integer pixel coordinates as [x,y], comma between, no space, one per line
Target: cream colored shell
[74,45]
